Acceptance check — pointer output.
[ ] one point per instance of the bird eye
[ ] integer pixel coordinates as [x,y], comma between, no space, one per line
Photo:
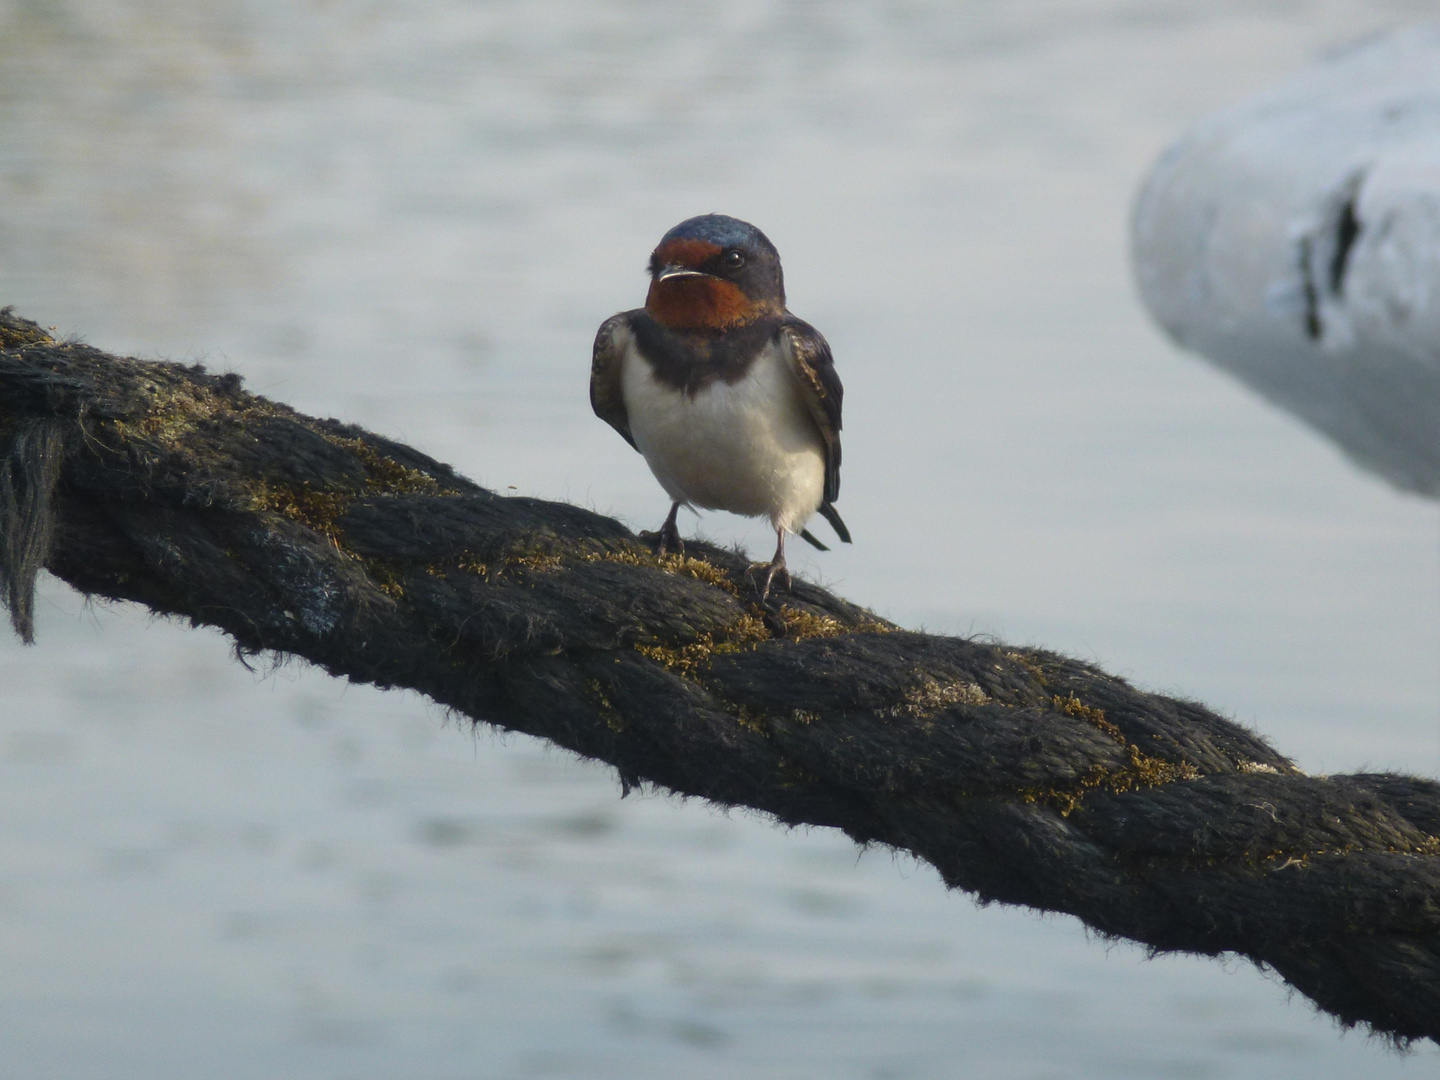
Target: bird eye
[734,259]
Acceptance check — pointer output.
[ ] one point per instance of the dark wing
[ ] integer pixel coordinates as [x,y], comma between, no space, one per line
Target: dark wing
[607,395]
[814,368]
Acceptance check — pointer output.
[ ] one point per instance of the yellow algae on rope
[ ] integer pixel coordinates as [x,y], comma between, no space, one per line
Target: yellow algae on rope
[686,660]
[316,509]
[670,563]
[385,475]
[15,337]
[930,696]
[1141,771]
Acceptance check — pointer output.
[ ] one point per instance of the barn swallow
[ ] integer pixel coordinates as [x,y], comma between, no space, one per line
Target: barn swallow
[733,402]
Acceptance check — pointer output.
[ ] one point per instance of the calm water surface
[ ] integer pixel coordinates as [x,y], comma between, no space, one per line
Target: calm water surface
[413,217]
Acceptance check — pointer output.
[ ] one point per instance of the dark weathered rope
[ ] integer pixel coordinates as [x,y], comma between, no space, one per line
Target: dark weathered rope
[1023,776]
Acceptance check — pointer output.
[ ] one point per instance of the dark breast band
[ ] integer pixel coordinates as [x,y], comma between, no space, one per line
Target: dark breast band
[690,360]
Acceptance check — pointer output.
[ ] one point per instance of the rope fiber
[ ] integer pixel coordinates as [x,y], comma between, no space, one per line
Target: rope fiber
[1023,776]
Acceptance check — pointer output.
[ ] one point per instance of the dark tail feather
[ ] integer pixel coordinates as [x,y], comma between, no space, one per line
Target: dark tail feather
[829,513]
[809,538]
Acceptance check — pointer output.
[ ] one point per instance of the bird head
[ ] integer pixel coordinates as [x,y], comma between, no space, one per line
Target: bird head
[714,273]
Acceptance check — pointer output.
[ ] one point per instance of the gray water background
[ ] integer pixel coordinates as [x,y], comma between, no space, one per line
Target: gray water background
[413,217]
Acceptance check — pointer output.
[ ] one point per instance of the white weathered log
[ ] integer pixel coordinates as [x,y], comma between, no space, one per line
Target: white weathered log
[1294,240]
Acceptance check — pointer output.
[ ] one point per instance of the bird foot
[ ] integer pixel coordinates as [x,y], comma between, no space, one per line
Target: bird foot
[772,571]
[666,539]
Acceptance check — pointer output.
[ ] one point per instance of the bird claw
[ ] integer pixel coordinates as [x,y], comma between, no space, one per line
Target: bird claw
[772,570]
[666,539]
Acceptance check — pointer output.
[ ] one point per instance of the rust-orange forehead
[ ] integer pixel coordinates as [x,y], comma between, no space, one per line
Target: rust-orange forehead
[687,251]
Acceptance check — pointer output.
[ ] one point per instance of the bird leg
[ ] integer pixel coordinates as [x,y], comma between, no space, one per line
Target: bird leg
[669,535]
[774,567]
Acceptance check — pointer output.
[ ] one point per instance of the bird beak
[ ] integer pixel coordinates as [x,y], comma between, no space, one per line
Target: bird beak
[671,270]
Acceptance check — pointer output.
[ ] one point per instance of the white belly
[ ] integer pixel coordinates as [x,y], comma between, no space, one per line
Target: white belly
[750,448]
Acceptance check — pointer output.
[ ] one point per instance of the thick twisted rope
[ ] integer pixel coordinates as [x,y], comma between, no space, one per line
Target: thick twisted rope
[1023,776]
